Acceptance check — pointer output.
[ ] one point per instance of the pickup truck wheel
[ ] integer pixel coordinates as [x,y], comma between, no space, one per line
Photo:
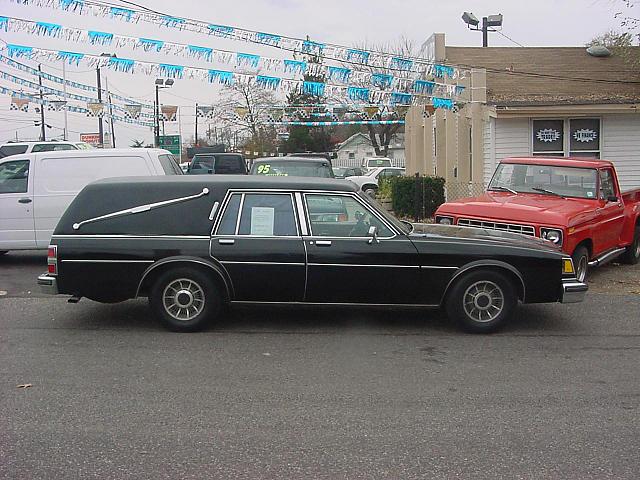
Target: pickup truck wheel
[581,262]
[185,300]
[481,301]
[632,254]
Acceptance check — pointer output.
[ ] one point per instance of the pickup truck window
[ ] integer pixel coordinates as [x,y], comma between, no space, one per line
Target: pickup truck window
[14,176]
[607,187]
[564,181]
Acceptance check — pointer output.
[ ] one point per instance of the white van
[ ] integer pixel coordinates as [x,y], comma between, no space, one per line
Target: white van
[36,188]
[16,148]
[375,162]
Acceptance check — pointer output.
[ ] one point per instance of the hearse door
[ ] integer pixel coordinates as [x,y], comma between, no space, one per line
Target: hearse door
[261,248]
[346,265]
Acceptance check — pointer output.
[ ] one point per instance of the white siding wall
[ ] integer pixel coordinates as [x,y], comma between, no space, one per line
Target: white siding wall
[621,145]
[489,150]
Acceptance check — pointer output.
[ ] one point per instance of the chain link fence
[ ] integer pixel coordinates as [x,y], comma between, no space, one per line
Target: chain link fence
[456,190]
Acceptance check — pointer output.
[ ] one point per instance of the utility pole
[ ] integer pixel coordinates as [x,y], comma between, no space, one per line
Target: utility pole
[100,130]
[43,135]
[196,138]
[157,118]
[485,32]
[64,89]
[113,131]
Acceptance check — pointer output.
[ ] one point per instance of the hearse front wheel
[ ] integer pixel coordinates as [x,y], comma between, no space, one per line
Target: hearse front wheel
[185,299]
[581,262]
[481,301]
[632,254]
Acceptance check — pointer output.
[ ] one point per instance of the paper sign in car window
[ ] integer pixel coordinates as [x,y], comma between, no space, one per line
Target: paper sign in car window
[262,219]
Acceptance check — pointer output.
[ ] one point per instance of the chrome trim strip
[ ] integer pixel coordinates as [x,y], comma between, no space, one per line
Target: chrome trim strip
[522,229]
[140,209]
[226,241]
[239,214]
[362,265]
[306,269]
[233,262]
[214,209]
[607,257]
[247,302]
[107,261]
[301,214]
[322,243]
[133,237]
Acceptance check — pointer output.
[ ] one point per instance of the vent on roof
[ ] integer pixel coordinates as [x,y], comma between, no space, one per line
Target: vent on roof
[599,51]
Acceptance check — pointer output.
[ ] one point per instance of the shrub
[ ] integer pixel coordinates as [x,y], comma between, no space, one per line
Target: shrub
[429,197]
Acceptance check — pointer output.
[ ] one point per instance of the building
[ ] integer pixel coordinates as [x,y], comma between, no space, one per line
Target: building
[528,101]
[357,147]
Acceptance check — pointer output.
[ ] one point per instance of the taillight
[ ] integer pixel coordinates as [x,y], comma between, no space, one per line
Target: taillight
[52,260]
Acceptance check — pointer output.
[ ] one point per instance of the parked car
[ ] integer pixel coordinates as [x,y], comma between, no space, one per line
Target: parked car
[252,239]
[375,162]
[327,156]
[16,148]
[217,163]
[368,182]
[292,166]
[575,203]
[36,188]
[344,172]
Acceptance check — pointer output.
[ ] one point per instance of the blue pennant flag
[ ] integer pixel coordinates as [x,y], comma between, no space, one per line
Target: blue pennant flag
[123,13]
[312,47]
[50,29]
[357,93]
[247,59]
[423,86]
[445,103]
[400,98]
[169,21]
[272,83]
[148,44]
[220,30]
[401,63]
[121,64]
[359,56]
[459,89]
[313,88]
[100,38]
[19,50]
[71,4]
[70,57]
[171,71]
[442,70]
[295,66]
[268,39]
[339,73]
[200,52]
[4,23]
[221,76]
[381,80]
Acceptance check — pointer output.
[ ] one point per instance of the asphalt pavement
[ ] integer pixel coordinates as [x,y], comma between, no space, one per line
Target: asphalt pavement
[317,392]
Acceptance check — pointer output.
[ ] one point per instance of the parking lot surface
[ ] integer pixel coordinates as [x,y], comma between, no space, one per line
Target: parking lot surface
[318,392]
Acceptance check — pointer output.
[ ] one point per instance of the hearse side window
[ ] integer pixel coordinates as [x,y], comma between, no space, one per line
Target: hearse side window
[14,176]
[267,215]
[342,216]
[169,165]
[230,217]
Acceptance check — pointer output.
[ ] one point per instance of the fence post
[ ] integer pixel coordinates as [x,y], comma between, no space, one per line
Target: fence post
[417,199]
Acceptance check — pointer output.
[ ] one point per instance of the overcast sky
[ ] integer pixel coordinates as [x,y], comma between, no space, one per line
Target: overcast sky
[344,22]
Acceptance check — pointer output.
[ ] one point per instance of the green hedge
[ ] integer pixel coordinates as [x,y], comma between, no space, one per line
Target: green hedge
[404,199]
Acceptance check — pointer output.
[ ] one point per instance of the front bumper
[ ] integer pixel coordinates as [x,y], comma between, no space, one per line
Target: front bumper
[48,284]
[573,291]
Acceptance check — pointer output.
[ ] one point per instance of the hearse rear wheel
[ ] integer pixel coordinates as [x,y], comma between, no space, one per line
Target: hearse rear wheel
[581,262]
[481,301]
[632,255]
[185,299]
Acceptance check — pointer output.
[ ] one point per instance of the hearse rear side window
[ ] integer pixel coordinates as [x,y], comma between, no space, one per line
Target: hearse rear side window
[230,217]
[264,215]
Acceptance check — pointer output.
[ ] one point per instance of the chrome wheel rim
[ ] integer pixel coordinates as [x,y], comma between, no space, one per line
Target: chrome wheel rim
[581,269]
[483,301]
[183,299]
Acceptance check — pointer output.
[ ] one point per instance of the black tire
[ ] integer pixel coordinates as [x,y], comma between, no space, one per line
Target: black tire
[580,258]
[632,254]
[478,294]
[371,191]
[179,290]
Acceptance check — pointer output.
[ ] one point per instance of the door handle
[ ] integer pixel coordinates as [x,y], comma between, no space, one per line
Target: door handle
[25,200]
[226,241]
[323,243]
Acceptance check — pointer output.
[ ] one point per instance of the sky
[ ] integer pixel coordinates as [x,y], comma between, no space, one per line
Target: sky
[342,22]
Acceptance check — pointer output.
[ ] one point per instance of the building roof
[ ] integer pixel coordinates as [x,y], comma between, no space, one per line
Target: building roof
[557,75]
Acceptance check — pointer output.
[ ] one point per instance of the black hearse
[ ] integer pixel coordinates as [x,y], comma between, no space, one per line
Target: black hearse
[194,244]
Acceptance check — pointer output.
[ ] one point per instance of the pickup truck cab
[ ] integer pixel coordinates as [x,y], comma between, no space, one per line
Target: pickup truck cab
[574,203]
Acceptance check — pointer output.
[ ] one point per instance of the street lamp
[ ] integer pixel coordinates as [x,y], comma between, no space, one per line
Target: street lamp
[490,21]
[160,83]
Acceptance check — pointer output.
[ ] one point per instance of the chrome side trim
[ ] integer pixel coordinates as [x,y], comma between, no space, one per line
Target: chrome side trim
[301,214]
[306,270]
[133,237]
[607,257]
[239,214]
[142,208]
[107,261]
[233,262]
[427,305]
[214,209]
[362,265]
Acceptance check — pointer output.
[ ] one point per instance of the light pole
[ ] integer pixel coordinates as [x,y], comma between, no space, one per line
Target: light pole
[490,21]
[160,83]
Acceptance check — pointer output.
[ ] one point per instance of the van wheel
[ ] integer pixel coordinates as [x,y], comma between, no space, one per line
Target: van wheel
[185,300]
[632,254]
[481,301]
[580,259]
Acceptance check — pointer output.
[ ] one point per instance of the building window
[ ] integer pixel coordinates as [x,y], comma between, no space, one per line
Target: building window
[576,137]
[352,156]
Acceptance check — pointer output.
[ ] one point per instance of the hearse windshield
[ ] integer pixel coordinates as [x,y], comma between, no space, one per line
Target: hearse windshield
[293,168]
[545,180]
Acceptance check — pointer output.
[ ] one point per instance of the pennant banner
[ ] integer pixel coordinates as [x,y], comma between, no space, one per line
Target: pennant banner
[203,111]
[132,111]
[19,104]
[57,105]
[95,109]
[169,113]
[335,123]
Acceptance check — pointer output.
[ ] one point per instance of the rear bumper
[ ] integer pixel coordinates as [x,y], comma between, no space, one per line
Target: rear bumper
[48,284]
[573,291]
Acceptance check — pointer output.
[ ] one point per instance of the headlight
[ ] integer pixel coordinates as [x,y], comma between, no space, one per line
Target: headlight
[444,220]
[552,234]
[567,266]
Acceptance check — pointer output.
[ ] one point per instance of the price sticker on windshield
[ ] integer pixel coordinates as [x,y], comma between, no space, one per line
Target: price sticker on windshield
[264,169]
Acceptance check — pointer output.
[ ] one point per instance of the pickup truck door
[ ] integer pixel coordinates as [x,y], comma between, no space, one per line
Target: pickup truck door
[261,249]
[17,228]
[609,214]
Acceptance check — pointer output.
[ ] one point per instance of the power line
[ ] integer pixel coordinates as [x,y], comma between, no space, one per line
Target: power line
[509,38]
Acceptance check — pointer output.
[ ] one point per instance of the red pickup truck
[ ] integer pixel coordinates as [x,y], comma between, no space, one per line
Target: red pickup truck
[574,203]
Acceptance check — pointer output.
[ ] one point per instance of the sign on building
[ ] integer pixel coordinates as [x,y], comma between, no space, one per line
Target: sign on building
[90,138]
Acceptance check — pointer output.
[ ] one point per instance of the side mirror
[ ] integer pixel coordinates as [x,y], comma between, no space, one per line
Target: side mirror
[612,198]
[373,233]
